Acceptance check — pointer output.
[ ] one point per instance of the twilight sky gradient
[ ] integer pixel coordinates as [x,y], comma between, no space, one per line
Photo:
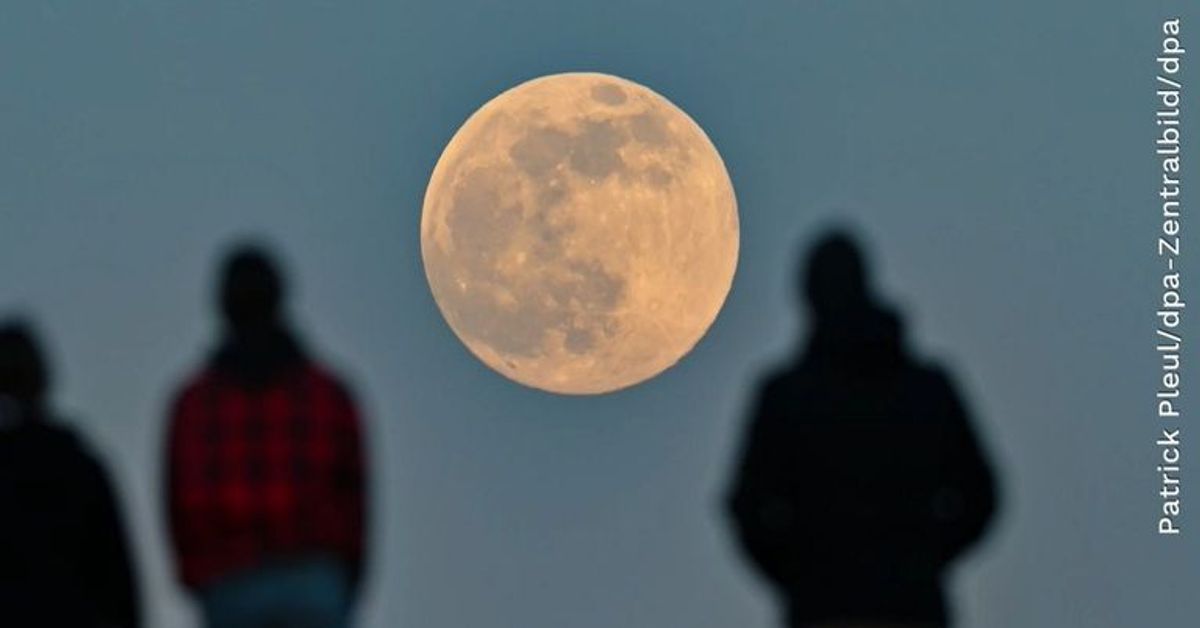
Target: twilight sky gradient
[998,155]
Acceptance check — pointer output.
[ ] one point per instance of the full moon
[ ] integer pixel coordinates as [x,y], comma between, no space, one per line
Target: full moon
[580,233]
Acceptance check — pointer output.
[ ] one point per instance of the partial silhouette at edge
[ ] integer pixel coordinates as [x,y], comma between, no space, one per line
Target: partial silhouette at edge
[64,553]
[860,479]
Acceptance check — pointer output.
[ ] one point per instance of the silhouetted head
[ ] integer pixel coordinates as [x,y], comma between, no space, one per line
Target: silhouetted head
[24,375]
[835,277]
[252,290]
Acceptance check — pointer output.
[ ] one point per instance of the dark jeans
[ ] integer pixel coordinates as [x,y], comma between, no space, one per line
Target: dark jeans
[298,593]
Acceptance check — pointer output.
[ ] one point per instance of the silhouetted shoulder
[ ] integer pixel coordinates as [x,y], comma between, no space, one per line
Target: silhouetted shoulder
[322,375]
[58,440]
[782,379]
[935,378]
[54,434]
[329,388]
[49,444]
[91,471]
[75,444]
[193,387]
[786,381]
[191,393]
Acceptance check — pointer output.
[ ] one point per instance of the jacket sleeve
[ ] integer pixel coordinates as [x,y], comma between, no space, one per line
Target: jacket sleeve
[966,500]
[353,486]
[173,490]
[763,517]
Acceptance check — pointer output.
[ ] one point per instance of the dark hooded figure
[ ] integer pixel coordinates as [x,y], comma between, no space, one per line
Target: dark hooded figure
[266,487]
[860,479]
[64,558]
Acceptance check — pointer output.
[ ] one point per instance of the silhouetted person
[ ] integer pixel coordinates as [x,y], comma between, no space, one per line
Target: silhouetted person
[860,479]
[265,469]
[64,560]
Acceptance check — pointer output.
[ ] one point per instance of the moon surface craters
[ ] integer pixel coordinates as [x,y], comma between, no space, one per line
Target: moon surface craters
[494,246]
[608,93]
[571,239]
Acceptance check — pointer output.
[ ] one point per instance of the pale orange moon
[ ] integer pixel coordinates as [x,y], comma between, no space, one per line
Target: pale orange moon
[580,233]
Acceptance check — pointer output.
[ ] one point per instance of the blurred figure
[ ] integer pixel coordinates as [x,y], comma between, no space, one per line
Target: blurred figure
[63,554]
[266,492]
[860,479]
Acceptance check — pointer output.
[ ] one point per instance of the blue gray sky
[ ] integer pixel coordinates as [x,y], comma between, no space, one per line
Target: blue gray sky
[997,155]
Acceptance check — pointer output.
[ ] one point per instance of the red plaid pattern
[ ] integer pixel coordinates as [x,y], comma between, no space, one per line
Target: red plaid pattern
[262,473]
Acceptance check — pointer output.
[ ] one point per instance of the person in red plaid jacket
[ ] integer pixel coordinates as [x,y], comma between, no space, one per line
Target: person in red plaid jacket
[265,477]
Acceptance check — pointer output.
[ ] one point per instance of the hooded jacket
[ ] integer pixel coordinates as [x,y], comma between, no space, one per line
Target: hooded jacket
[860,478]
